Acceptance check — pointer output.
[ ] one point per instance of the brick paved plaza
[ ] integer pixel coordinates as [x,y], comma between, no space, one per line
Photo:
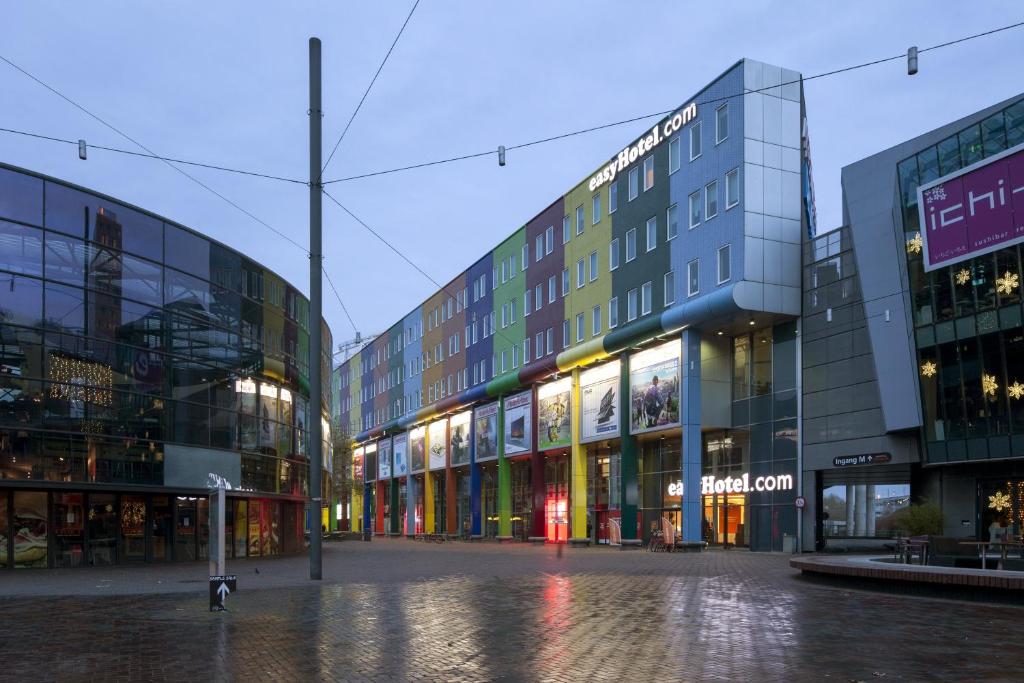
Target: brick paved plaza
[401,610]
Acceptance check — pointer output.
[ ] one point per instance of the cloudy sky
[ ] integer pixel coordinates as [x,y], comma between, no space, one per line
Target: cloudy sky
[226,83]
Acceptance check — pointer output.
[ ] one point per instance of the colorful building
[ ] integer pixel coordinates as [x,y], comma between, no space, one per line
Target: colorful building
[623,364]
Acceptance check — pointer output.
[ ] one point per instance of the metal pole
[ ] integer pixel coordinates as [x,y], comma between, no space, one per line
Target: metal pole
[315,309]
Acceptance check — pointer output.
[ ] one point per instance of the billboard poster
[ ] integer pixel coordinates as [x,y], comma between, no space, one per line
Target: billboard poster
[357,465]
[486,436]
[458,426]
[370,462]
[400,454]
[518,422]
[599,402]
[418,450]
[438,443]
[554,415]
[384,459]
[973,211]
[654,389]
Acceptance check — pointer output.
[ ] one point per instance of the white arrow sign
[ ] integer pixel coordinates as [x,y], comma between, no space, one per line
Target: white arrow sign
[223,591]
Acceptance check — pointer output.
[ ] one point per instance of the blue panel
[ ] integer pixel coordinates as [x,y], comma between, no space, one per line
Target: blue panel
[690,394]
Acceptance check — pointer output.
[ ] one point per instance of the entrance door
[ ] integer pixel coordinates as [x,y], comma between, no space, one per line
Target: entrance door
[725,519]
[556,501]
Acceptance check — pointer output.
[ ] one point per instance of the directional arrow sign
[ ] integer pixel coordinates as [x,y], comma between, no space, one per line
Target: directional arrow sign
[220,588]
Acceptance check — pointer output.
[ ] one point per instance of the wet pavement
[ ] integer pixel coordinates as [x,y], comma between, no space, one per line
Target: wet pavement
[402,610]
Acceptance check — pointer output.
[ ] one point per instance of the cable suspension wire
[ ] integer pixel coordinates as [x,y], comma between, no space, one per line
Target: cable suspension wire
[340,302]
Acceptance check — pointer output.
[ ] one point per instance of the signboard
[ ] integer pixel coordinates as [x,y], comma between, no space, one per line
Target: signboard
[438,442]
[370,462]
[654,389]
[400,450]
[973,211]
[418,450]
[599,402]
[220,587]
[485,444]
[458,445]
[554,415]
[800,502]
[384,459]
[357,465]
[710,484]
[856,460]
[518,422]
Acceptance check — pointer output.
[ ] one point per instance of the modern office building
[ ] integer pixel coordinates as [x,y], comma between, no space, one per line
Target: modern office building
[913,346]
[624,363]
[141,365]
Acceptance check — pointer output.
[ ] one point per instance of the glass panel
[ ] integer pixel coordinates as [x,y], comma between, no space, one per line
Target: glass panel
[4,531]
[970,145]
[68,529]
[865,510]
[162,522]
[949,155]
[185,530]
[21,300]
[187,251]
[928,165]
[66,209]
[133,528]
[21,248]
[102,529]
[29,529]
[65,309]
[993,134]
[762,366]
[21,197]
[241,527]
[203,513]
[1014,124]
[254,528]
[741,369]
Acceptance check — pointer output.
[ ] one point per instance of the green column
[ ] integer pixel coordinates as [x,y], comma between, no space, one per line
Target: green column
[504,479]
[627,468]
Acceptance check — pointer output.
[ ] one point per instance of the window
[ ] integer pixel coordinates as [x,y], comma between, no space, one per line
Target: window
[494,277]
[634,183]
[692,277]
[613,254]
[539,339]
[566,229]
[613,312]
[645,298]
[504,271]
[538,248]
[631,305]
[504,316]
[512,314]
[630,245]
[694,209]
[526,351]
[504,360]
[580,275]
[721,123]
[580,324]
[538,299]
[672,219]
[515,356]
[595,202]
[724,264]
[593,266]
[670,288]
[694,141]
[648,172]
[711,200]
[549,239]
[551,289]
[526,304]
[652,233]
[511,266]
[613,197]
[579,219]
[551,339]
[565,334]
[565,281]
[526,256]
[595,321]
[673,155]
[732,188]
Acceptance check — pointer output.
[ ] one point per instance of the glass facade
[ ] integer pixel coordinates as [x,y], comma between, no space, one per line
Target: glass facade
[122,334]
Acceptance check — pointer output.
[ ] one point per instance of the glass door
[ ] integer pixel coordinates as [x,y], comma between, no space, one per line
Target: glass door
[556,501]
[725,519]
[68,529]
[102,529]
[185,529]
[160,533]
[133,528]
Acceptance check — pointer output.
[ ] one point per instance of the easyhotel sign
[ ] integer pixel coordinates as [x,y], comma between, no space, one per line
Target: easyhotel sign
[658,134]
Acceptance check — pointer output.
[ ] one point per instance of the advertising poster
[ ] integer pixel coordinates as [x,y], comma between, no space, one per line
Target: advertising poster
[401,455]
[654,389]
[458,425]
[518,422]
[384,459]
[486,418]
[554,416]
[599,402]
[418,449]
[370,462]
[438,442]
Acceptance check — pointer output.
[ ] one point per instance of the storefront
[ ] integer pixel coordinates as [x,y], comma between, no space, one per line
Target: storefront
[459,457]
[600,407]
[417,478]
[400,484]
[518,433]
[382,524]
[437,461]
[660,471]
[554,438]
[485,457]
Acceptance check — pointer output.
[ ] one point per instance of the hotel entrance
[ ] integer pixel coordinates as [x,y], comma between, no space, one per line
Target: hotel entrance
[725,519]
[556,498]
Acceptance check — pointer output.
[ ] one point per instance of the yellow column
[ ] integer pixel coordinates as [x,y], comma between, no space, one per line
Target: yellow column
[428,488]
[577,466]
[355,513]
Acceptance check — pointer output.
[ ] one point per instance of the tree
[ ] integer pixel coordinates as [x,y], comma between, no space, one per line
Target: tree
[341,473]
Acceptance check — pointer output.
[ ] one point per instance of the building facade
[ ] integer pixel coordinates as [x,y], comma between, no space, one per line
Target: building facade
[141,365]
[913,374]
[622,365]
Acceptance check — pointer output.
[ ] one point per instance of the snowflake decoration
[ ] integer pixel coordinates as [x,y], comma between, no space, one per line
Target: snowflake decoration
[963,276]
[988,385]
[999,501]
[914,245]
[936,193]
[1007,283]
[1016,390]
[928,368]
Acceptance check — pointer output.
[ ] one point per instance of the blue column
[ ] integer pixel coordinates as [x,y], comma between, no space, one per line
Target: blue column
[690,398]
[367,508]
[475,527]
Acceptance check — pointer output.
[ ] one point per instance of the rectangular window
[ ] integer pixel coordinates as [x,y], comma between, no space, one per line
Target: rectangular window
[724,264]
[630,245]
[538,299]
[551,289]
[670,288]
[511,266]
[652,233]
[566,229]
[673,155]
[672,219]
[539,344]
[595,321]
[579,219]
[634,183]
[732,188]
[613,254]
[721,123]
[631,305]
[613,312]
[551,339]
[538,248]
[565,334]
[648,172]
[526,304]
[695,141]
[504,360]
[515,356]
[580,275]
[613,197]
[645,298]
[526,256]
[565,281]
[692,277]
[494,276]
[595,214]
[504,271]
[526,351]
[580,325]
[549,240]
[695,209]
[593,266]
[711,200]
[513,314]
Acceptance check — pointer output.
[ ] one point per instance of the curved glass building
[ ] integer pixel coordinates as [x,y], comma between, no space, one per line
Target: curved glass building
[141,365]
